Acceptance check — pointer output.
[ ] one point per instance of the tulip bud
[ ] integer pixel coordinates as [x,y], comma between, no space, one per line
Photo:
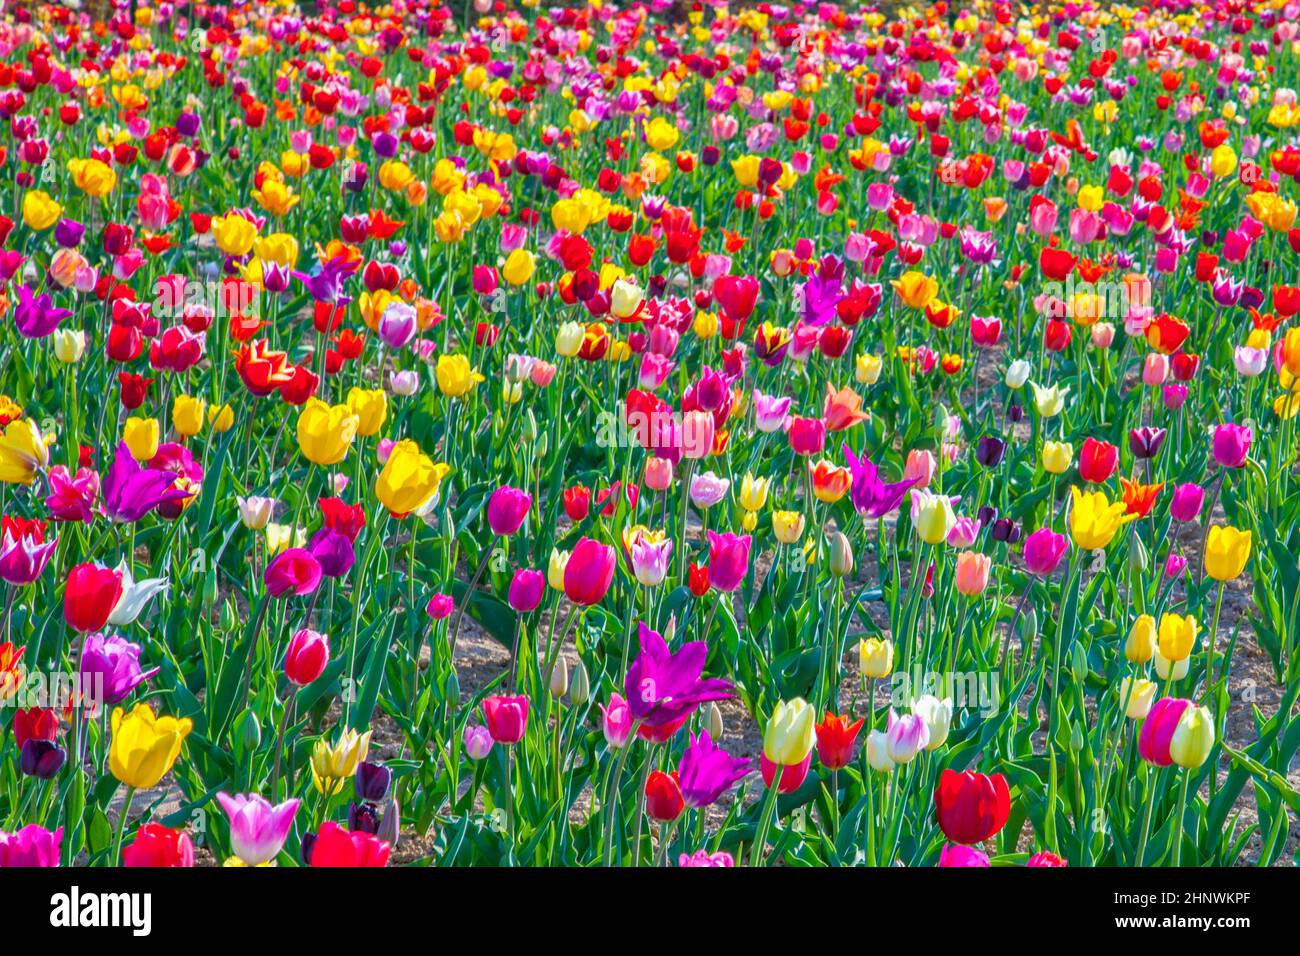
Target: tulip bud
[713,720]
[841,562]
[560,679]
[1028,626]
[1137,555]
[389,823]
[579,685]
[1076,738]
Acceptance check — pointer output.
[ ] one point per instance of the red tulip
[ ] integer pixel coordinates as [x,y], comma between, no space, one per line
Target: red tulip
[835,740]
[663,796]
[158,846]
[1097,460]
[306,657]
[91,594]
[335,846]
[970,806]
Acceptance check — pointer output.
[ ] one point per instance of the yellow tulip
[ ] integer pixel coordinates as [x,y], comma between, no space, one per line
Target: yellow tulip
[625,298]
[233,234]
[40,211]
[916,289]
[555,568]
[876,657]
[788,737]
[661,135]
[753,492]
[455,376]
[395,175]
[519,267]
[1177,636]
[568,339]
[23,452]
[1223,161]
[145,747]
[276,197]
[409,478]
[1141,644]
[69,345]
[867,369]
[1049,402]
[92,176]
[1137,696]
[1094,520]
[141,436]
[332,766]
[1227,550]
[787,526]
[221,418]
[325,432]
[1057,456]
[371,408]
[187,415]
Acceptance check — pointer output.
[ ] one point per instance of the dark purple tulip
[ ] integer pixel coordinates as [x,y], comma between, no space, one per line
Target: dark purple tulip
[987,515]
[187,124]
[42,759]
[373,781]
[990,450]
[1145,442]
[363,818]
[1004,529]
[1015,412]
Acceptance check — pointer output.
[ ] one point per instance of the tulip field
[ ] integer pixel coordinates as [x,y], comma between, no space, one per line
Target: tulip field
[649,433]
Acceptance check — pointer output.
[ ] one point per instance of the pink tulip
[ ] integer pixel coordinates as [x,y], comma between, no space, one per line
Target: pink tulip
[590,572]
[507,509]
[506,717]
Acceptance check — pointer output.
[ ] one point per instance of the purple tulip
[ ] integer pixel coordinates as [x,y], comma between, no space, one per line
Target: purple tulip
[23,557]
[35,315]
[707,771]
[117,661]
[131,490]
[871,496]
[662,687]
[334,552]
